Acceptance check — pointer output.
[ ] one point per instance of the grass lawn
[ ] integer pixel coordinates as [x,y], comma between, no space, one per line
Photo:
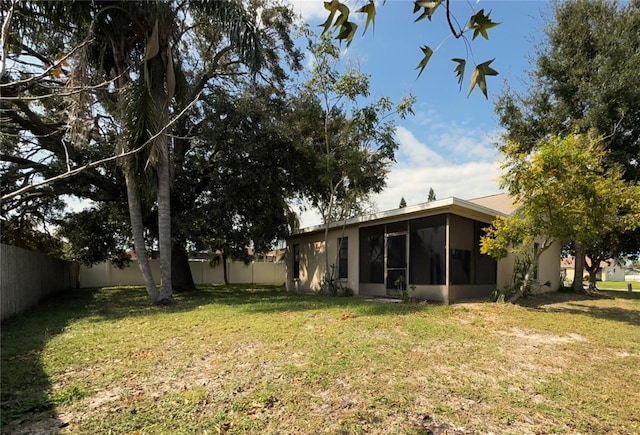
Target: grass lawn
[260,360]
[618,285]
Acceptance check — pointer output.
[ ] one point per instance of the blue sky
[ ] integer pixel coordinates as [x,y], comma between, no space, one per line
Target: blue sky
[449,143]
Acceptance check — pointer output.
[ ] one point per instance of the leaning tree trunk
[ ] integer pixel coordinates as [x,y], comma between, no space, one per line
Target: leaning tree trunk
[137,227]
[526,282]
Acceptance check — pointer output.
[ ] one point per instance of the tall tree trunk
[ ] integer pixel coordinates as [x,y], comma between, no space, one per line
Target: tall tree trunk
[164,226]
[181,278]
[135,215]
[577,285]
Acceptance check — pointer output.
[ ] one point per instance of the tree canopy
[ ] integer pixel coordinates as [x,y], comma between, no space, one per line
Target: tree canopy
[564,193]
[117,76]
[583,81]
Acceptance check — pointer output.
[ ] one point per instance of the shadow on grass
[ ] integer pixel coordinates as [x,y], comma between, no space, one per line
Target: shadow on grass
[26,400]
[27,397]
[278,300]
[576,303]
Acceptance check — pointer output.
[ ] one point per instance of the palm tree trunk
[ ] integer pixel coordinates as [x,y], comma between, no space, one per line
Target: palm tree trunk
[135,215]
[164,227]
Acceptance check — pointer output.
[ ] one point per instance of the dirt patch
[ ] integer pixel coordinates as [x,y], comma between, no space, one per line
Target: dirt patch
[539,338]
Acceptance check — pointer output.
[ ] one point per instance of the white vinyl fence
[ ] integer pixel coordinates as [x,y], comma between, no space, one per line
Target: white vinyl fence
[105,275]
[27,277]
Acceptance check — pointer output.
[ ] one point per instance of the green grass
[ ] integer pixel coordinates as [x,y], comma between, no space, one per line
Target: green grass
[261,360]
[619,285]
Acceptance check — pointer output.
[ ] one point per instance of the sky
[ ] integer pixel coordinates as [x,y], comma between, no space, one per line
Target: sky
[449,144]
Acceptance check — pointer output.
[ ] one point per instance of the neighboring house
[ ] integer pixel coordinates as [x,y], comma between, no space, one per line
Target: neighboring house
[610,270]
[434,247]
[632,274]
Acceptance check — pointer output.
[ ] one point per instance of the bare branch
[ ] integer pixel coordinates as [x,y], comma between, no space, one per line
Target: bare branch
[48,70]
[90,165]
[3,37]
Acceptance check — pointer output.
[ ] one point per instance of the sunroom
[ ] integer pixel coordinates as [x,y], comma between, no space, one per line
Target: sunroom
[431,251]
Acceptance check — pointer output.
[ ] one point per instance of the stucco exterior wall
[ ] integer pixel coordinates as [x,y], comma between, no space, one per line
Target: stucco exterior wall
[548,269]
[312,260]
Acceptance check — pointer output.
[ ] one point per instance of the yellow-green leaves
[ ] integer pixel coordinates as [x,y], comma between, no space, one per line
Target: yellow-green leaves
[346,29]
[427,52]
[480,23]
[370,10]
[479,77]
[459,70]
[429,8]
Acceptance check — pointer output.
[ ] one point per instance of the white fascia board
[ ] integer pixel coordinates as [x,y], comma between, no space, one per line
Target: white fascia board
[407,212]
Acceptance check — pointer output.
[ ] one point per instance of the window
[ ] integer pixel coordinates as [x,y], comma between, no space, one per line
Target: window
[343,257]
[296,261]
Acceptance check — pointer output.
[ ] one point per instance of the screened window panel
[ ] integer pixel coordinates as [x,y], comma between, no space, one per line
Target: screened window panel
[372,254]
[427,247]
[460,266]
[485,267]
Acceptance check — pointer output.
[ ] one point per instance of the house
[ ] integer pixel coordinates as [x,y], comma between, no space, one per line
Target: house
[431,248]
[610,270]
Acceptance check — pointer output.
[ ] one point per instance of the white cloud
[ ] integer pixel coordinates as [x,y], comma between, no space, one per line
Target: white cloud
[314,9]
[411,149]
[463,166]
[308,9]
[465,181]
[467,168]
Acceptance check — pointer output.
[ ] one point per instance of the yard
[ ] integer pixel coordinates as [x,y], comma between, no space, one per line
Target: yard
[260,360]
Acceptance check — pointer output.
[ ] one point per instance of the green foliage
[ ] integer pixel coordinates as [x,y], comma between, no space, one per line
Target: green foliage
[427,52]
[350,139]
[582,79]
[564,193]
[335,287]
[480,23]
[96,235]
[432,195]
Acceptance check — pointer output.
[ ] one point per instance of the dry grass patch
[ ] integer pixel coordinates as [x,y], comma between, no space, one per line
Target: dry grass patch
[260,360]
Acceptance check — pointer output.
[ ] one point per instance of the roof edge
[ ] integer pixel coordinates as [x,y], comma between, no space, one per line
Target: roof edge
[409,210]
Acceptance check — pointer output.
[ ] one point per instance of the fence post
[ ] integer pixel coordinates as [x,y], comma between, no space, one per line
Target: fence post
[629,287]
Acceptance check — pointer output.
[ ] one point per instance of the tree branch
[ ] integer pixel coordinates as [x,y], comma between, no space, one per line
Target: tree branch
[90,165]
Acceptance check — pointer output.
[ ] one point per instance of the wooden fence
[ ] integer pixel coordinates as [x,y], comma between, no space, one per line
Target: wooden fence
[27,277]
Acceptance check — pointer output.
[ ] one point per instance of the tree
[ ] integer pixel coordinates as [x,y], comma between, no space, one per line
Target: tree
[583,81]
[432,195]
[144,49]
[564,193]
[352,145]
[240,172]
[403,203]
[338,22]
